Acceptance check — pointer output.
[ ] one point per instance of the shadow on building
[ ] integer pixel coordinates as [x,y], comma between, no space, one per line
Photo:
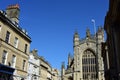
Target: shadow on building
[6,72]
[112,27]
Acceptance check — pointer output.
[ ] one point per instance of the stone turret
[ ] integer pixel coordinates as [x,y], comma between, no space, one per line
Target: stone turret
[13,13]
[100,35]
[34,51]
[76,39]
[62,70]
[69,60]
[88,33]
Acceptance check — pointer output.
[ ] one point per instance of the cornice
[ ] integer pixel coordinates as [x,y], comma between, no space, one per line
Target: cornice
[12,25]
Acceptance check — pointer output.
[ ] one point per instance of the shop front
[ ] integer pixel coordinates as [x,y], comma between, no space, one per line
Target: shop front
[6,72]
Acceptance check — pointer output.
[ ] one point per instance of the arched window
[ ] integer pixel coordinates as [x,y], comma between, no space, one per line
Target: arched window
[89,65]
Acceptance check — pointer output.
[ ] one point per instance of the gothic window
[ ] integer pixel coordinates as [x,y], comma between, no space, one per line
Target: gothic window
[89,65]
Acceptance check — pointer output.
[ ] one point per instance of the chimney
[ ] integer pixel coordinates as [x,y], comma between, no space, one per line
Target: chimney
[13,13]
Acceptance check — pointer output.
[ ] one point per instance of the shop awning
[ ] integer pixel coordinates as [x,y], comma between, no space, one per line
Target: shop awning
[6,69]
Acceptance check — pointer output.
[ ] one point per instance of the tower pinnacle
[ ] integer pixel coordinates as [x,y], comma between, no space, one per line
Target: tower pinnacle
[76,39]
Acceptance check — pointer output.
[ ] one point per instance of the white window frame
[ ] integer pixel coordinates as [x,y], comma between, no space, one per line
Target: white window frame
[16,41]
[13,62]
[6,54]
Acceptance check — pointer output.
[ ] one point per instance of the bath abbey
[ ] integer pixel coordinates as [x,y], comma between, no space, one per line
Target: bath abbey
[86,62]
[94,57]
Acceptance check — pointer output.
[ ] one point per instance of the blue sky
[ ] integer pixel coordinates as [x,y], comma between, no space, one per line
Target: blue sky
[52,23]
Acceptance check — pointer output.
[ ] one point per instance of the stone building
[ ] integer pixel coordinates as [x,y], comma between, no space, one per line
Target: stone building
[55,74]
[34,66]
[15,57]
[86,63]
[14,42]
[40,69]
[45,70]
[6,72]
[112,28]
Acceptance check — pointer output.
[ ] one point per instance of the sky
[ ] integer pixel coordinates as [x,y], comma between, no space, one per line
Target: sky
[51,24]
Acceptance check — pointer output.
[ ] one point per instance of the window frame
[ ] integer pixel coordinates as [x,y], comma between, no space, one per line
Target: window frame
[0,28]
[7,37]
[24,64]
[13,61]
[88,66]
[26,47]
[16,41]
[4,57]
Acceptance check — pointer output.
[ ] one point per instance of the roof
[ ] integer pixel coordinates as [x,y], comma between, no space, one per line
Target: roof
[16,27]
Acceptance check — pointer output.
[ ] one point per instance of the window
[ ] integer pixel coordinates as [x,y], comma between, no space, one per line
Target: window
[4,57]
[26,48]
[0,28]
[7,37]
[16,42]
[24,62]
[22,79]
[13,61]
[89,65]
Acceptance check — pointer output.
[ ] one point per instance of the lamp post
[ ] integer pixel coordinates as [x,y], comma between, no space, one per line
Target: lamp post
[93,21]
[96,38]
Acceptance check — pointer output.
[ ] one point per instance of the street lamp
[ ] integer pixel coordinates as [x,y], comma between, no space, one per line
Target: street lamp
[93,21]
[96,38]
